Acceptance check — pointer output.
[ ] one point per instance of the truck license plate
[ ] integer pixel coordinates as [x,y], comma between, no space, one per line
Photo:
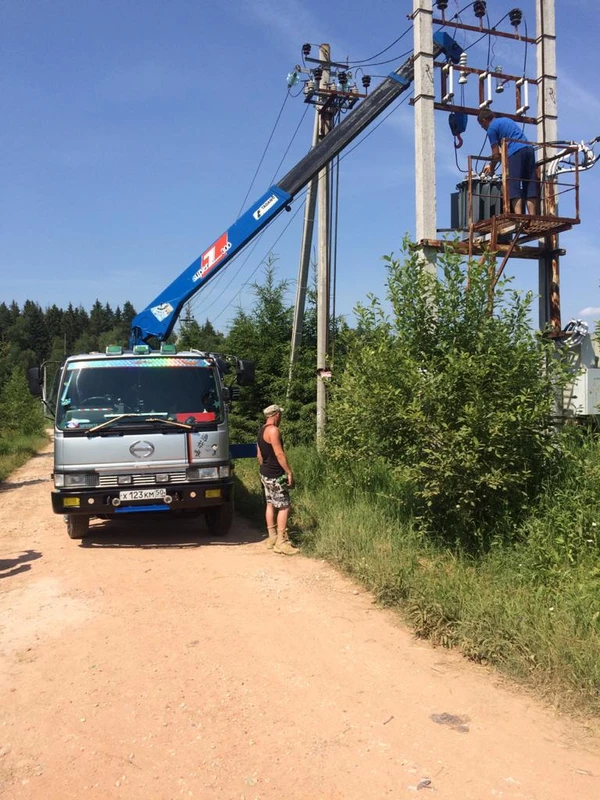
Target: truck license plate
[142,494]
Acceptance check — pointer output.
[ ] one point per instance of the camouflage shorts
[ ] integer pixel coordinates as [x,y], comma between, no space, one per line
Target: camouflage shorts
[276,494]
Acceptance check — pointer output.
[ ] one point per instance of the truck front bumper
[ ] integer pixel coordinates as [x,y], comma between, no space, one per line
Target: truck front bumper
[181,497]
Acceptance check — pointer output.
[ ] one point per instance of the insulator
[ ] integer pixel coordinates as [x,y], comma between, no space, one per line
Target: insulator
[499,81]
[343,77]
[306,49]
[479,8]
[442,4]
[515,16]
[366,81]
[318,73]
[462,61]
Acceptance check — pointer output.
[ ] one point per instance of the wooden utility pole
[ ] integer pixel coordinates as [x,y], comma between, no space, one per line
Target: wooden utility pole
[326,124]
[307,237]
[331,90]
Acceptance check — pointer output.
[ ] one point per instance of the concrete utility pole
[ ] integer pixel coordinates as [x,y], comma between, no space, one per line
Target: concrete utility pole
[424,98]
[326,124]
[547,131]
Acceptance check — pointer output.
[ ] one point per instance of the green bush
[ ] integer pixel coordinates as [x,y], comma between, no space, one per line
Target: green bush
[454,396]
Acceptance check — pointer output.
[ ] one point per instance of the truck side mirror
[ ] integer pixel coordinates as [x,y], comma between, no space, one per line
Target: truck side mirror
[222,365]
[34,379]
[245,372]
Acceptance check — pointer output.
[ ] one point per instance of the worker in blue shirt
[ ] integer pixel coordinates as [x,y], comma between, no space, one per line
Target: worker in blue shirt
[522,178]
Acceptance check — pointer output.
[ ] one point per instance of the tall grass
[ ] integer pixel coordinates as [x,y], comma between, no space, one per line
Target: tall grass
[531,609]
[16,449]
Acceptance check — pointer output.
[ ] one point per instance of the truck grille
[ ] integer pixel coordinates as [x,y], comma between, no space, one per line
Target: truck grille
[141,480]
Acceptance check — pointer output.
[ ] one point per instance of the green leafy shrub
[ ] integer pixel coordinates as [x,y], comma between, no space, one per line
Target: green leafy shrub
[455,395]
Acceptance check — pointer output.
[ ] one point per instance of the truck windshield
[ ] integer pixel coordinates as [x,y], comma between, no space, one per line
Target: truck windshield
[176,388]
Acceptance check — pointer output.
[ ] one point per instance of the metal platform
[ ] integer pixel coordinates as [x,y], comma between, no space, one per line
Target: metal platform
[522,228]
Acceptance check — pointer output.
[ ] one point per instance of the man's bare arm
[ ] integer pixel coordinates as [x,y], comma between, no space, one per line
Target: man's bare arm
[274,439]
[490,168]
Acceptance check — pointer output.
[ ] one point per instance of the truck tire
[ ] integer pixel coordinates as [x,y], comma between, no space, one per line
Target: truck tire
[77,526]
[219,519]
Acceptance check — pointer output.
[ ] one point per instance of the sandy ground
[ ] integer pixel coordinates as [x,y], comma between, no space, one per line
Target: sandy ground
[152,662]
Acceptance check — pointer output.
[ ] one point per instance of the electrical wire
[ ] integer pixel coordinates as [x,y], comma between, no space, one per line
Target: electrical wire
[218,278]
[381,52]
[373,128]
[456,15]
[306,107]
[198,304]
[389,60]
[526,46]
[287,94]
[255,270]
[462,102]
[199,301]
[339,158]
[205,296]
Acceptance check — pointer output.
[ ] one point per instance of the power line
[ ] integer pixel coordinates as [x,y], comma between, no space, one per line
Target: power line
[255,270]
[381,52]
[306,107]
[287,94]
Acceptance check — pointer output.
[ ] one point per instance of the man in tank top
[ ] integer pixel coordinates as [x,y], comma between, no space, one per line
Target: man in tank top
[277,478]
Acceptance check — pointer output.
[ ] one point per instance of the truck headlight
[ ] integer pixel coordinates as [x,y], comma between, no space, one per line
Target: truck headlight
[208,473]
[75,480]
[203,473]
[224,472]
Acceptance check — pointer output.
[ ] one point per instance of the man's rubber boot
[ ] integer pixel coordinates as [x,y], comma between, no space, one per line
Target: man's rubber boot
[283,544]
[272,537]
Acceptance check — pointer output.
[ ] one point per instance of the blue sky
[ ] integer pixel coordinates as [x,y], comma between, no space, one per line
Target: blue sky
[132,131]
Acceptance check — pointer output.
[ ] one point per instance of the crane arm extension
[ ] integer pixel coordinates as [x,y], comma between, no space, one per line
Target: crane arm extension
[159,317]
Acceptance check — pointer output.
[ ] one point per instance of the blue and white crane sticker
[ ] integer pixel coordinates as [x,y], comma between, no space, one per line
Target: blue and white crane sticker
[268,204]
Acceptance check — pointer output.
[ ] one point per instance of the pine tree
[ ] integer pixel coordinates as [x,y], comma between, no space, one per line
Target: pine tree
[19,411]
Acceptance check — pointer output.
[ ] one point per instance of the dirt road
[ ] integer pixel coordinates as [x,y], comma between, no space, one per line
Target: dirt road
[153,663]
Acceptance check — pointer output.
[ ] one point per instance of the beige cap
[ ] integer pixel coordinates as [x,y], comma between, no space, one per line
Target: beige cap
[270,411]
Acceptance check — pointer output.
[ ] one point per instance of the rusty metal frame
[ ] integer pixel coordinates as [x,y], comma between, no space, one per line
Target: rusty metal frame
[523,228]
[480,29]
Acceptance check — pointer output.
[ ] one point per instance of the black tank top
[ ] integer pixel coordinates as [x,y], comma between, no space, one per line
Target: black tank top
[270,468]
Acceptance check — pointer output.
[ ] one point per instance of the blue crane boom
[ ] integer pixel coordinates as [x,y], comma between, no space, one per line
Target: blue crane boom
[159,317]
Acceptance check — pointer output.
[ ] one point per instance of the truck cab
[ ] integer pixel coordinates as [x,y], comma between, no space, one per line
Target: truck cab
[143,431]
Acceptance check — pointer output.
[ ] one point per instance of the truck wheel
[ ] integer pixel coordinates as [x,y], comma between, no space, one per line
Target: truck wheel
[77,526]
[219,519]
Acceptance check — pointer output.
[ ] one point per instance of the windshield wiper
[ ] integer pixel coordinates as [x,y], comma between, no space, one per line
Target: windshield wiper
[110,422]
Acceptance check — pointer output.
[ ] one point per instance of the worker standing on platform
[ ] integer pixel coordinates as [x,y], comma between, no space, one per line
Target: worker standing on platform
[522,178]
